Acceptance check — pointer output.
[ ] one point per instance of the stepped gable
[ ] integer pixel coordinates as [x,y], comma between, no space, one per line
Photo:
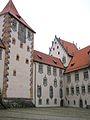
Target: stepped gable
[11,9]
[70,48]
[2,44]
[80,60]
[47,59]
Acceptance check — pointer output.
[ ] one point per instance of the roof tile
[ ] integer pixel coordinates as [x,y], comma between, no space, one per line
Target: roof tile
[47,59]
[80,60]
[70,48]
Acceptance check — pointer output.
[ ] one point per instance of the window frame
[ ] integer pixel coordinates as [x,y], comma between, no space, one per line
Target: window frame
[76,76]
[77,90]
[45,81]
[48,69]
[85,75]
[68,78]
[39,91]
[54,71]
[40,68]
[51,92]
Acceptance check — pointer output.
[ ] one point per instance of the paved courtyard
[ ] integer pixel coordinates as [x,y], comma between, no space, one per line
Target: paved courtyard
[45,114]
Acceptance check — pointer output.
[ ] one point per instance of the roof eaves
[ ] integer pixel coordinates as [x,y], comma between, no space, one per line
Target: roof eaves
[75,69]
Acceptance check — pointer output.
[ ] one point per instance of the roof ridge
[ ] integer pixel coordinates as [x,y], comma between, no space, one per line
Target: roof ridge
[47,55]
[10,7]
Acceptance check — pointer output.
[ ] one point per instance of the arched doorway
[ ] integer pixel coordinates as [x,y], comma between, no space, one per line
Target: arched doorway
[62,103]
[81,103]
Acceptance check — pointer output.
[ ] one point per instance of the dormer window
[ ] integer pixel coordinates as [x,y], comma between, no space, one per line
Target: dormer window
[39,57]
[55,62]
[72,64]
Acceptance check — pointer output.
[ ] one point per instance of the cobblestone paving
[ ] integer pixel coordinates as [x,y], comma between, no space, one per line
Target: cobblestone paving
[45,114]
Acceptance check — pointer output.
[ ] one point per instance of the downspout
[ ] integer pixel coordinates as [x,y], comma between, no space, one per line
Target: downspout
[35,85]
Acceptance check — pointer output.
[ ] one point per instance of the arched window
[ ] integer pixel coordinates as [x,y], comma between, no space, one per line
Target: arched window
[55,82]
[45,81]
[67,90]
[88,87]
[77,89]
[39,92]
[83,89]
[51,92]
[72,90]
[61,93]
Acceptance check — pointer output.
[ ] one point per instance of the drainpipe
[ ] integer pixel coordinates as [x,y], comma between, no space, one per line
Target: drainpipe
[35,85]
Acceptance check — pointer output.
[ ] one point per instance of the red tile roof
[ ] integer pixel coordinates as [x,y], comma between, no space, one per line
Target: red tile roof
[80,60]
[47,59]
[70,48]
[10,8]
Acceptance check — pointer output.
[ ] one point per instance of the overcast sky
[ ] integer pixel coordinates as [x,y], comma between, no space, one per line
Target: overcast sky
[68,19]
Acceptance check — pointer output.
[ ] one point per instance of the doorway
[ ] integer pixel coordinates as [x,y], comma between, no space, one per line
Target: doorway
[62,103]
[81,103]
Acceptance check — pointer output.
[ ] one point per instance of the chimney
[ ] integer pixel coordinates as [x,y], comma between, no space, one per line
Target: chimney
[76,44]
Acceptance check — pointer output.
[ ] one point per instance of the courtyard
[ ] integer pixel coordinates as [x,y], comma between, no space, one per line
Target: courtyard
[45,114]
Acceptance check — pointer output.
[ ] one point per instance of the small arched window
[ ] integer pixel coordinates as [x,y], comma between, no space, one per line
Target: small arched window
[55,82]
[45,81]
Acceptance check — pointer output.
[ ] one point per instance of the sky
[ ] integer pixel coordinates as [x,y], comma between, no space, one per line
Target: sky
[67,19]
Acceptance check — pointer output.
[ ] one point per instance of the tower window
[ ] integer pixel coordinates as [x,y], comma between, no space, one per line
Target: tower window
[13,41]
[14,72]
[28,48]
[17,57]
[22,33]
[21,45]
[14,25]
[27,61]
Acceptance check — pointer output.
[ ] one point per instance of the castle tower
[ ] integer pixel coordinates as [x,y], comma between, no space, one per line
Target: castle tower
[18,38]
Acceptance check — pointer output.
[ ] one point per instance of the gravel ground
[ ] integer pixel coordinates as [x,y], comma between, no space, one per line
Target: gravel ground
[45,114]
